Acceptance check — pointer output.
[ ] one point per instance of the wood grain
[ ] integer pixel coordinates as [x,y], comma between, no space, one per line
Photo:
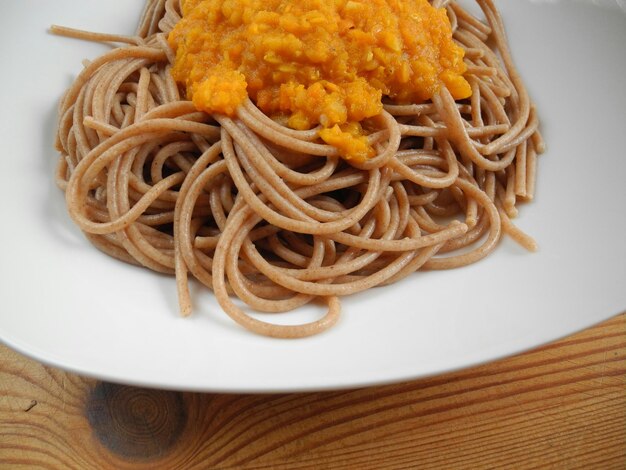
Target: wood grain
[561,406]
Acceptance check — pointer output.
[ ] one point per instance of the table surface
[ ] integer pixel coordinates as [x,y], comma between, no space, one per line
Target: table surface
[560,406]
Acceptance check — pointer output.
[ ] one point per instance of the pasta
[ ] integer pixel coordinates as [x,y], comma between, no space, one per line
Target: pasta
[272,215]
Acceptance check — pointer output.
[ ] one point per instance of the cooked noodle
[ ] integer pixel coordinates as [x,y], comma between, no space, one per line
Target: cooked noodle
[269,214]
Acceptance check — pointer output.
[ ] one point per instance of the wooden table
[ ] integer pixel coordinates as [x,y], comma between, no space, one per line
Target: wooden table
[561,406]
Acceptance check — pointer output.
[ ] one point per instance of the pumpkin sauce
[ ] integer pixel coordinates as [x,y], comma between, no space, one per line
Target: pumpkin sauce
[316,62]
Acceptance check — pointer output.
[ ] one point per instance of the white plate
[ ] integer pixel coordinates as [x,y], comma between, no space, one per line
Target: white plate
[66,304]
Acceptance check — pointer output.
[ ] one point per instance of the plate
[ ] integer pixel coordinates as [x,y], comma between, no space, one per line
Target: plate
[66,304]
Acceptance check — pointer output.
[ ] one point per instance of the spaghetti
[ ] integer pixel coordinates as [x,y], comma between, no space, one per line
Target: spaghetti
[269,214]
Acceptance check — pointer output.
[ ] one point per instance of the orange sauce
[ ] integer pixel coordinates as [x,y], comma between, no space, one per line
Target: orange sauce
[316,62]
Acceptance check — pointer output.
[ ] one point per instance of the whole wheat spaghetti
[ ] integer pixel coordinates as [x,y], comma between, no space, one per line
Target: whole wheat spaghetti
[269,214]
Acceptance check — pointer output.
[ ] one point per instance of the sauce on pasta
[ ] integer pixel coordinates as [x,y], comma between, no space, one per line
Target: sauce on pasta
[316,62]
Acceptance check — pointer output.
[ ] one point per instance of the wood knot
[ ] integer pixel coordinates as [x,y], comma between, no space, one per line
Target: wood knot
[136,422]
